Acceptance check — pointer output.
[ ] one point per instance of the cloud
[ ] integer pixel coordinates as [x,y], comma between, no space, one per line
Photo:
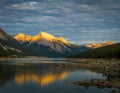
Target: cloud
[39,19]
[83,19]
[90,7]
[25,6]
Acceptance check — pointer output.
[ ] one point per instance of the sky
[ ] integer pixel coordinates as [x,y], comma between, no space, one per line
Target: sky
[78,21]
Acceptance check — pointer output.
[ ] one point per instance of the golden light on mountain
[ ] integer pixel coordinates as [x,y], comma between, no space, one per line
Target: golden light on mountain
[63,40]
[97,45]
[41,36]
[22,37]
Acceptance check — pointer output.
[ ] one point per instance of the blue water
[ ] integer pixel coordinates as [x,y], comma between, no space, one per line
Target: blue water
[44,75]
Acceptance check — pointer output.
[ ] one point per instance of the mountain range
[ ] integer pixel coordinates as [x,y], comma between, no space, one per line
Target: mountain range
[42,44]
[57,44]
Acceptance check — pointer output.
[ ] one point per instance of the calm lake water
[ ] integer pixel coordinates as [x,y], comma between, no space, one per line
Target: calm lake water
[44,75]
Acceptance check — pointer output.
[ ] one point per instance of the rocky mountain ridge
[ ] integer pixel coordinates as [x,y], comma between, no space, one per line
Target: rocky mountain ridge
[42,44]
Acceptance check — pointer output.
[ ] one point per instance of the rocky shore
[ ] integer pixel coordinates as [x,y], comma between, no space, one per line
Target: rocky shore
[109,83]
[108,67]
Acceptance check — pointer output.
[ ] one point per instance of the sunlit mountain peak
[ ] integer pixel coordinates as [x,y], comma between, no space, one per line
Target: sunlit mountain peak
[43,35]
[58,44]
[22,37]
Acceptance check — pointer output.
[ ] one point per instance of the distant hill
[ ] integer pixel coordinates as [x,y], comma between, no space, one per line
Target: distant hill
[110,51]
[97,45]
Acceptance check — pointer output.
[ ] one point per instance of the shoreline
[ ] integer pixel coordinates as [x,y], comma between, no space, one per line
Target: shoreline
[107,67]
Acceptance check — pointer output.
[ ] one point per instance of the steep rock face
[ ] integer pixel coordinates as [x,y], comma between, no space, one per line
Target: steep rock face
[56,44]
[8,45]
[4,36]
[45,39]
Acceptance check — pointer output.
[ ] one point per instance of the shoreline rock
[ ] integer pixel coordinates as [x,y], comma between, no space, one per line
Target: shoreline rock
[108,67]
[101,83]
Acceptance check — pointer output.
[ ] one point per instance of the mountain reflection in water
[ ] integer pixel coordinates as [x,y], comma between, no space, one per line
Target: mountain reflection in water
[35,76]
[42,80]
[43,74]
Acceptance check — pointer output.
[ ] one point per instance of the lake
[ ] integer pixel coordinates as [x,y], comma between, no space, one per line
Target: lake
[44,75]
